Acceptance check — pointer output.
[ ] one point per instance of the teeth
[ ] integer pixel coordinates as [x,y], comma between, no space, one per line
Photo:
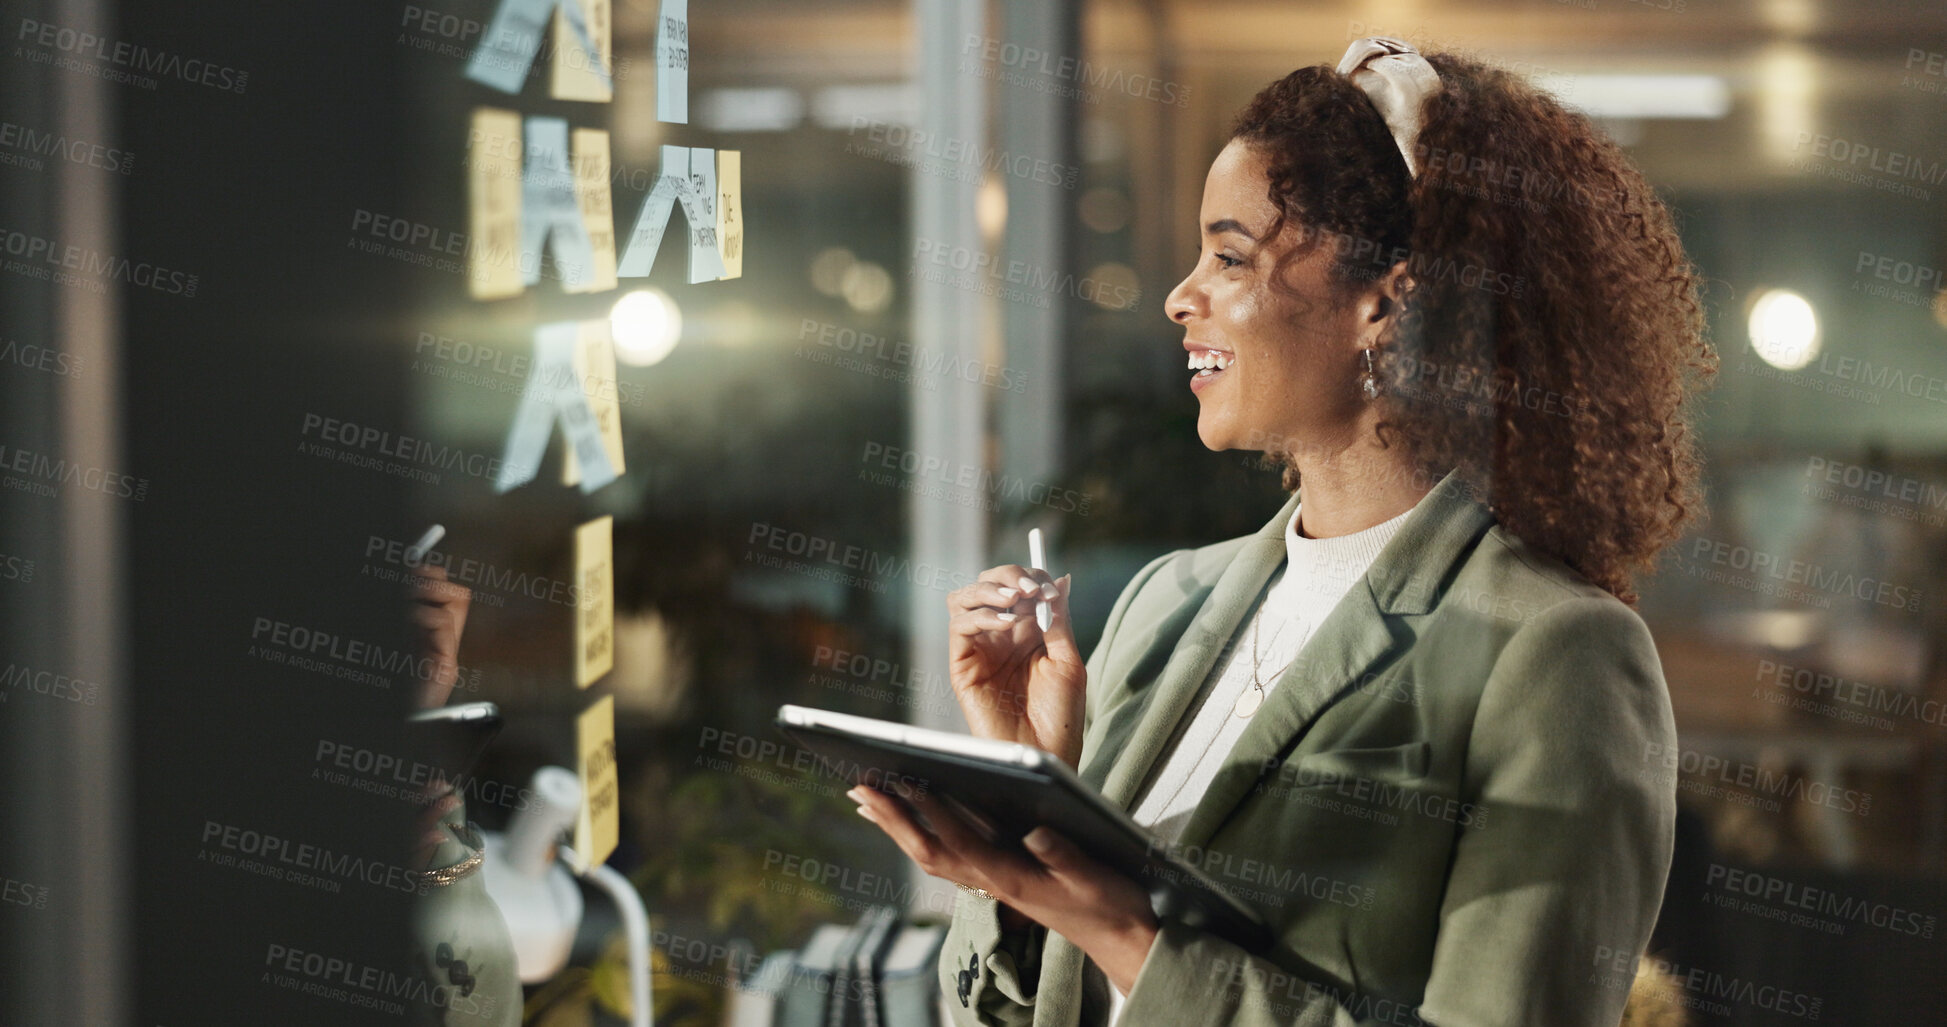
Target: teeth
[1210,359]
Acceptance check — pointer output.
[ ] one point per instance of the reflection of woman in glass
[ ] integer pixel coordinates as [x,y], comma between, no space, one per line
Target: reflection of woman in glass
[1413,721]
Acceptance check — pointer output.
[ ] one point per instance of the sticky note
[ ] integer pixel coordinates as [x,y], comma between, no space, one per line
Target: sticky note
[554,395]
[595,366]
[597,208]
[494,204]
[672,178]
[700,210]
[507,50]
[598,827]
[583,51]
[550,213]
[730,211]
[673,62]
[595,607]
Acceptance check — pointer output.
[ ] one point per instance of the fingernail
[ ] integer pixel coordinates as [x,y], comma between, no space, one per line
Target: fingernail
[855,794]
[1049,591]
[1037,841]
[905,790]
[1008,615]
[1009,593]
[867,814]
[1029,584]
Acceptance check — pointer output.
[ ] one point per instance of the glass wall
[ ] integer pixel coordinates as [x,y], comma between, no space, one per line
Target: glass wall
[960,220]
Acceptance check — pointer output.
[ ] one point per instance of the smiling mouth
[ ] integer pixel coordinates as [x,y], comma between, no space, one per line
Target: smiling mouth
[1209,363]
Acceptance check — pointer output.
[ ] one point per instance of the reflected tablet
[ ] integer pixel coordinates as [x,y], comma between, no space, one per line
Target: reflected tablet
[1007,790]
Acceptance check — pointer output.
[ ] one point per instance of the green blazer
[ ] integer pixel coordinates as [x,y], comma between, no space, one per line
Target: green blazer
[1451,807]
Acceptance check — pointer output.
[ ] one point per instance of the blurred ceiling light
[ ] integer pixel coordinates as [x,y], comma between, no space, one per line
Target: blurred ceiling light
[1787,88]
[867,287]
[750,110]
[828,269]
[1790,17]
[1784,630]
[846,107]
[1641,96]
[646,325]
[990,207]
[1784,329]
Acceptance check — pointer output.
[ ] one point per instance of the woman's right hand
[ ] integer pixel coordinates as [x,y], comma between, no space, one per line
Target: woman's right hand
[1015,682]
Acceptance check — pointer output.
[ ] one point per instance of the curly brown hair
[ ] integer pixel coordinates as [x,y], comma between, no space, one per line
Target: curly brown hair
[1550,341]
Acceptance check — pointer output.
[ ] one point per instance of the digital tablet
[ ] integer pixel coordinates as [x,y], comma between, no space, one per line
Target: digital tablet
[1007,790]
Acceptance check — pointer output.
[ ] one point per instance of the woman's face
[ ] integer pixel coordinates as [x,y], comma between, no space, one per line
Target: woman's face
[1289,353]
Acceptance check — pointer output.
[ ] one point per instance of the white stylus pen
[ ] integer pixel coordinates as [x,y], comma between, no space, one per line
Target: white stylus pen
[1044,615]
[418,550]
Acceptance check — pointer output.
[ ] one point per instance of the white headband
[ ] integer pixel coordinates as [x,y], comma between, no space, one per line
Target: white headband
[1398,80]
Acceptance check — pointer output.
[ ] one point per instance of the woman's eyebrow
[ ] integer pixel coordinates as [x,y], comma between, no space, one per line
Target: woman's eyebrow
[1228,225]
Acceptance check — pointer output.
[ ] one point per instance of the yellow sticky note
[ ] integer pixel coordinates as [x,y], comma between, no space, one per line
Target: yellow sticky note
[599,824]
[595,588]
[597,208]
[579,73]
[595,366]
[494,204]
[730,211]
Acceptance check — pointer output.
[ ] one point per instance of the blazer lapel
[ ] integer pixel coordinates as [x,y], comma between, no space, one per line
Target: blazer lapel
[1355,637]
[1193,658]
[1351,639]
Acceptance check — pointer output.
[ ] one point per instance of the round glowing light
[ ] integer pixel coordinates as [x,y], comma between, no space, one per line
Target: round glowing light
[646,325]
[828,269]
[1112,286]
[867,287]
[1784,329]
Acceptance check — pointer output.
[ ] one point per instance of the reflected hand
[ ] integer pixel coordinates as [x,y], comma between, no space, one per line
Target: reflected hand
[429,830]
[439,609]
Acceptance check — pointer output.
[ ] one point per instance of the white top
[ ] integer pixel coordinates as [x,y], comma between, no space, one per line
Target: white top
[1316,575]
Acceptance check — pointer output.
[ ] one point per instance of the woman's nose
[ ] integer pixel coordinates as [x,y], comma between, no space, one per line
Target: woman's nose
[1177,306]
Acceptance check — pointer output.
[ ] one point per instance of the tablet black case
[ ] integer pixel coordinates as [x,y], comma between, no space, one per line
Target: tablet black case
[1008,790]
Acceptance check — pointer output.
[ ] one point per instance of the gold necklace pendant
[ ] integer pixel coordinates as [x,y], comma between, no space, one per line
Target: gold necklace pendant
[1248,703]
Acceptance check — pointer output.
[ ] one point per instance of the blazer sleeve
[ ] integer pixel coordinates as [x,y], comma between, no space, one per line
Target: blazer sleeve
[990,974]
[1563,876]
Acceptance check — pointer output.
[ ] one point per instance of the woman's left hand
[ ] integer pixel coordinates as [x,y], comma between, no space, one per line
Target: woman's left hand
[1054,884]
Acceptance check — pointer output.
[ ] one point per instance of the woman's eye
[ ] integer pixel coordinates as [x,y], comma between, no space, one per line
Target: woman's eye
[1228,261]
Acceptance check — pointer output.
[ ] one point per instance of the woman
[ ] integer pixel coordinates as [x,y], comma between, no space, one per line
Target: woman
[1414,719]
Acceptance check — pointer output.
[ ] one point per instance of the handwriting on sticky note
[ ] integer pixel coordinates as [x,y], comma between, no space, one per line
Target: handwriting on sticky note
[595,612]
[597,829]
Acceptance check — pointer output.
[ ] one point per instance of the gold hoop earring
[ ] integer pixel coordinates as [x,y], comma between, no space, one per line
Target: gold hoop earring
[1369,381]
